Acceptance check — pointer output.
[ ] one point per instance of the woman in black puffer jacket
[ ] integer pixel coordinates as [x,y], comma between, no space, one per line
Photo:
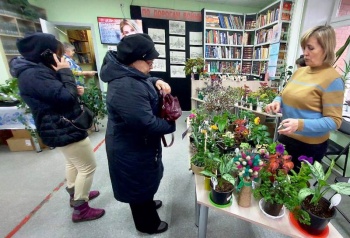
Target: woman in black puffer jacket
[51,92]
[134,129]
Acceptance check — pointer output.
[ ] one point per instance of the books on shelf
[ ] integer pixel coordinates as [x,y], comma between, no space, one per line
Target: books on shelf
[212,21]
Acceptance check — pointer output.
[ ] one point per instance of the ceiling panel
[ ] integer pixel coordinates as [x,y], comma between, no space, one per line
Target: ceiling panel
[243,3]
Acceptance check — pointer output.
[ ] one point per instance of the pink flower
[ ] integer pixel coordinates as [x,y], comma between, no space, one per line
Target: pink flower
[191,116]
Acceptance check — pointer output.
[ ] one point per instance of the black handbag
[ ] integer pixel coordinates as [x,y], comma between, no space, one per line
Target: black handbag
[85,120]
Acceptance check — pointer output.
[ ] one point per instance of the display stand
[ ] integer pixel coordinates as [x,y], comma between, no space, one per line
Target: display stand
[250,214]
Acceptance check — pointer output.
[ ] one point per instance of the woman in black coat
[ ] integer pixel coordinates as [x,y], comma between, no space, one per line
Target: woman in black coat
[50,90]
[134,130]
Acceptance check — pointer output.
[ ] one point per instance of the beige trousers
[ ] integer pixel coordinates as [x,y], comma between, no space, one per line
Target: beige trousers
[80,167]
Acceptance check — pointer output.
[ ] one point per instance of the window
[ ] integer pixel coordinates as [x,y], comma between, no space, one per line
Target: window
[342,34]
[343,9]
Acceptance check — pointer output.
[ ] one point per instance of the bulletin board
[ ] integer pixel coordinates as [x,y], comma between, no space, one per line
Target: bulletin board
[172,40]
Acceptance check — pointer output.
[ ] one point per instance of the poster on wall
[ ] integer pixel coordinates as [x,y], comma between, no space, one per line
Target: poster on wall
[177,71]
[161,50]
[196,52]
[196,38]
[112,30]
[177,43]
[157,35]
[177,57]
[177,28]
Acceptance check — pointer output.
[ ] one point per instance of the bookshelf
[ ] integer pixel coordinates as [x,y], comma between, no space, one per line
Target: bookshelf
[13,25]
[81,39]
[242,41]
[251,44]
[223,34]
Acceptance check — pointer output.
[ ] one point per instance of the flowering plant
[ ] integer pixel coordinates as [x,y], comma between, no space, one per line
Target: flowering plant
[280,160]
[258,133]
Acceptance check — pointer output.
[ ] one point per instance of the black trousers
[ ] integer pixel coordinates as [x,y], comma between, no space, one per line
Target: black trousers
[145,216]
[297,148]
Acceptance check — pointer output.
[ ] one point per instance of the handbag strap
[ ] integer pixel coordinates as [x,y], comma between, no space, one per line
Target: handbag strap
[164,140]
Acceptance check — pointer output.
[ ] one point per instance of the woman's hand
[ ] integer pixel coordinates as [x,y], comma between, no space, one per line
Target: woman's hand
[89,73]
[80,90]
[61,64]
[273,107]
[288,126]
[161,85]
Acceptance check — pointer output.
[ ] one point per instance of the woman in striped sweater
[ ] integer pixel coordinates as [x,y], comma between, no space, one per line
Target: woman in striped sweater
[312,101]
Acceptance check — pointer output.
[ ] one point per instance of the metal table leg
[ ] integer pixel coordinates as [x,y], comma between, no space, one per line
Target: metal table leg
[197,207]
[203,220]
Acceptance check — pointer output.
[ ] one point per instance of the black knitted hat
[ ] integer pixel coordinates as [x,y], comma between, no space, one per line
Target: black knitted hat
[31,46]
[136,47]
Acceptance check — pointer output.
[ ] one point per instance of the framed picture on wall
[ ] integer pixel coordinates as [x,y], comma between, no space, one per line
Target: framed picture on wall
[112,30]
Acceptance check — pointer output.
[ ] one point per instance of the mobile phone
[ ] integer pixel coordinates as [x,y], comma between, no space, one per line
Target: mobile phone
[48,59]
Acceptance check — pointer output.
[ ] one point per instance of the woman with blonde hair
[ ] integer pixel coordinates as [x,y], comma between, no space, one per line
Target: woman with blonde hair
[312,101]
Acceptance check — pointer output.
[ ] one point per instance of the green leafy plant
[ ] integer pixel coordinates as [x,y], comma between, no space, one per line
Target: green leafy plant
[259,133]
[194,65]
[277,189]
[226,167]
[322,186]
[95,101]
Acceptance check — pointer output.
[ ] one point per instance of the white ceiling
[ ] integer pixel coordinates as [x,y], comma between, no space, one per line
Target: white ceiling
[243,3]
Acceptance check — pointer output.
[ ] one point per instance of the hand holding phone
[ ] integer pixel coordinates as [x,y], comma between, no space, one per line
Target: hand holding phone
[48,59]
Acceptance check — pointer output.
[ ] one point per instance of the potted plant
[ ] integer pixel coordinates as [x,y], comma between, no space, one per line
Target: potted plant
[223,180]
[194,66]
[253,98]
[95,100]
[313,201]
[197,162]
[275,185]
[258,133]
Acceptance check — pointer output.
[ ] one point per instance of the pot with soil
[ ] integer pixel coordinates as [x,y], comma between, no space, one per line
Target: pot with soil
[320,215]
[273,209]
[221,195]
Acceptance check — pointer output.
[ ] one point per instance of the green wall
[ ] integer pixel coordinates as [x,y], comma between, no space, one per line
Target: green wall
[86,12]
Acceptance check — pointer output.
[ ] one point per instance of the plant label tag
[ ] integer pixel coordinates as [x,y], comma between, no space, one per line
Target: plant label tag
[214,181]
[185,133]
[229,198]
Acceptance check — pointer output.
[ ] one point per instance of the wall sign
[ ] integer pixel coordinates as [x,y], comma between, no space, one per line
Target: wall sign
[169,14]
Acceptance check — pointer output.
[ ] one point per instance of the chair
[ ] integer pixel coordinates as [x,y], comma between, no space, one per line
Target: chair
[335,149]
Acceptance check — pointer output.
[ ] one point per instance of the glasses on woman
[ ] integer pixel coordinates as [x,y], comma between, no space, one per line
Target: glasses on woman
[149,62]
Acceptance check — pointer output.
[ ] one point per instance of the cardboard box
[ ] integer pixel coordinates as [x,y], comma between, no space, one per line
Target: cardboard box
[20,144]
[21,133]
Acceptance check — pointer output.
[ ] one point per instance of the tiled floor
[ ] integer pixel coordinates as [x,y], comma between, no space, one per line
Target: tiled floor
[34,203]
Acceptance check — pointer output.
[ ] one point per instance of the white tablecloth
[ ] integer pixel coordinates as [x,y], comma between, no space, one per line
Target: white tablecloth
[10,118]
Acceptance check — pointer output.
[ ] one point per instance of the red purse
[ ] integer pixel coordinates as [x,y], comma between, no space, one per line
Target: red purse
[170,110]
